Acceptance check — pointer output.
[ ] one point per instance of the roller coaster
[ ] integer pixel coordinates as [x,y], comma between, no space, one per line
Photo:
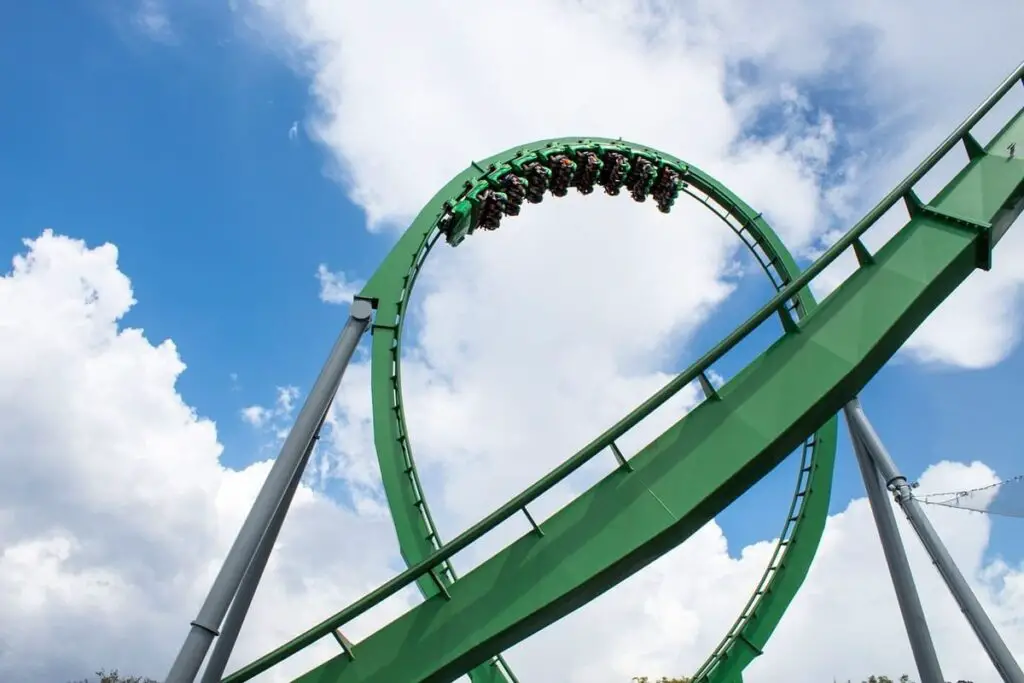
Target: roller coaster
[786,400]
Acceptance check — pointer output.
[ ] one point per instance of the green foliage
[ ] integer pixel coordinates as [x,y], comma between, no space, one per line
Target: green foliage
[115,677]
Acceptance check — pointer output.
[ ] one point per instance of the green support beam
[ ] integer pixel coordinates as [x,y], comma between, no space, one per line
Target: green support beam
[710,457]
[653,501]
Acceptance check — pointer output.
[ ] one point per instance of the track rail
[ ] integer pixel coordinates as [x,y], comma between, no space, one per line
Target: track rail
[406,499]
[416,529]
[903,282]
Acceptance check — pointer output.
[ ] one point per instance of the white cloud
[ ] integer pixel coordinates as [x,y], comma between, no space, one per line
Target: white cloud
[529,340]
[335,286]
[274,420]
[115,510]
[152,19]
[257,416]
[284,405]
[114,514]
[679,67]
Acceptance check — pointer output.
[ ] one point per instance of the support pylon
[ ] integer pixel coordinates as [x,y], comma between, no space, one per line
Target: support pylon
[884,465]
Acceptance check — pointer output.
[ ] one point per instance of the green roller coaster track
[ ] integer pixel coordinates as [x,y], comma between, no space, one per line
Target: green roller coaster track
[417,534]
[785,399]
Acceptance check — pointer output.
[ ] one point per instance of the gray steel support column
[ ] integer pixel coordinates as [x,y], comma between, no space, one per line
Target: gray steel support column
[205,627]
[921,645]
[254,572]
[983,628]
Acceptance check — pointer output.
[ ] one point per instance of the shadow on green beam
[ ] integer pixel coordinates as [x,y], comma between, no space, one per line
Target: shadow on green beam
[682,479]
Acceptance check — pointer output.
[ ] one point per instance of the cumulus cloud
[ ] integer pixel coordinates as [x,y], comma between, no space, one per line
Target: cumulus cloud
[586,295]
[525,342]
[115,514]
[115,510]
[335,286]
[276,418]
[810,122]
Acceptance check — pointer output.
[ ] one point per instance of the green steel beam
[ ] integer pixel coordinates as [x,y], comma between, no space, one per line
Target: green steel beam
[713,454]
[390,290]
[701,464]
[683,478]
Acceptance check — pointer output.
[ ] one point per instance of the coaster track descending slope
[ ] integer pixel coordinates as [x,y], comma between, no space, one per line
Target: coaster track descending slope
[391,287]
[665,492]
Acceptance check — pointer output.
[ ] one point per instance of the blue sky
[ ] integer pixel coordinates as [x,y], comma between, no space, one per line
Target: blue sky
[178,151]
[180,155]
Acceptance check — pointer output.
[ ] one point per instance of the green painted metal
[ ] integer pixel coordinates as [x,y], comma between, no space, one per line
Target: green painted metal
[708,458]
[416,531]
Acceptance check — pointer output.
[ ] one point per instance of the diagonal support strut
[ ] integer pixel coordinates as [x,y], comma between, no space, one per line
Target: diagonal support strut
[244,556]
[1003,660]
[907,597]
